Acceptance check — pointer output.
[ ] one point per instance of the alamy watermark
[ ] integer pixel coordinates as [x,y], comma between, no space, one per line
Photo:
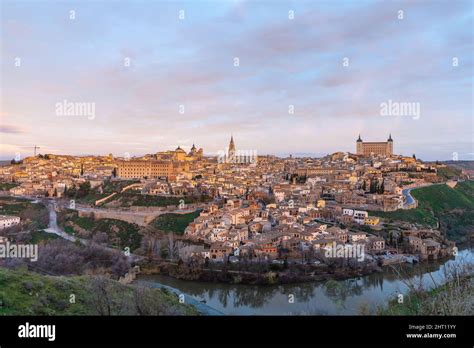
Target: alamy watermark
[356,251]
[37,331]
[21,251]
[237,157]
[393,108]
[67,108]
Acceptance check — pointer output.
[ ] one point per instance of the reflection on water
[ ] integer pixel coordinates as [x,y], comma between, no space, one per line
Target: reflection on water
[342,297]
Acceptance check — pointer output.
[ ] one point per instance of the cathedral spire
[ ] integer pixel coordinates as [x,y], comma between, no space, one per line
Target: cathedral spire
[231,152]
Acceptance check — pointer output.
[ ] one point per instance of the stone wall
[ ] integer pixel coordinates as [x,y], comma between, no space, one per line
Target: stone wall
[141,220]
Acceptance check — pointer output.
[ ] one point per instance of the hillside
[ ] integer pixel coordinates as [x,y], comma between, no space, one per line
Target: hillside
[176,223]
[116,233]
[449,172]
[441,198]
[27,293]
[452,207]
[455,297]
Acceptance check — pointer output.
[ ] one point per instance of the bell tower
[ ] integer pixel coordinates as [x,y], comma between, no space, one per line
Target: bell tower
[231,151]
[390,145]
[359,146]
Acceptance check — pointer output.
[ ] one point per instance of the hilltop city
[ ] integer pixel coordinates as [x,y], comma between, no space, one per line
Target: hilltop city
[242,206]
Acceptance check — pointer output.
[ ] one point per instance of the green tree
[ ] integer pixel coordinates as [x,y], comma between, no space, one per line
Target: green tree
[373,186]
[84,189]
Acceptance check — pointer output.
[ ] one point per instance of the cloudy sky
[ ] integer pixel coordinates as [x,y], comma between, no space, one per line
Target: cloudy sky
[157,81]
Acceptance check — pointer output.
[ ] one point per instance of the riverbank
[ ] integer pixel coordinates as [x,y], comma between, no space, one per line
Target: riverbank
[455,297]
[256,274]
[253,273]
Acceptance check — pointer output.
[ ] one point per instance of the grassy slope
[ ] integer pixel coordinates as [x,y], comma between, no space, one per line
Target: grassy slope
[26,293]
[452,298]
[120,233]
[174,222]
[40,236]
[449,172]
[421,215]
[5,186]
[453,207]
[441,197]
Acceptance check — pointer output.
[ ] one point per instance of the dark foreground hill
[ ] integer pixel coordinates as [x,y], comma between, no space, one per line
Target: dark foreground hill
[27,293]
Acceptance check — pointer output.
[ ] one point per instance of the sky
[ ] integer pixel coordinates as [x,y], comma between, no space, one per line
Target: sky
[282,77]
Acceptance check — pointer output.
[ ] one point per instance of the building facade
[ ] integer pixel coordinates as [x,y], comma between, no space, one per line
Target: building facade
[384,148]
[129,169]
[161,165]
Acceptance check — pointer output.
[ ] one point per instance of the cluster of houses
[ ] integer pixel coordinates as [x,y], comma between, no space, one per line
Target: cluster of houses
[246,229]
[428,244]
[241,228]
[50,175]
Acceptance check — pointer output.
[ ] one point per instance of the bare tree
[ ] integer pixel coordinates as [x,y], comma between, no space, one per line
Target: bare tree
[151,243]
[172,247]
[100,297]
[185,251]
[147,302]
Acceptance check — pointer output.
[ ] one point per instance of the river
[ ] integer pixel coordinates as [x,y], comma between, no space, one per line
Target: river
[343,297]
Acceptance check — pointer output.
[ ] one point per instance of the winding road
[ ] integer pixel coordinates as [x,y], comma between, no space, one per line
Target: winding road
[53,224]
[409,200]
